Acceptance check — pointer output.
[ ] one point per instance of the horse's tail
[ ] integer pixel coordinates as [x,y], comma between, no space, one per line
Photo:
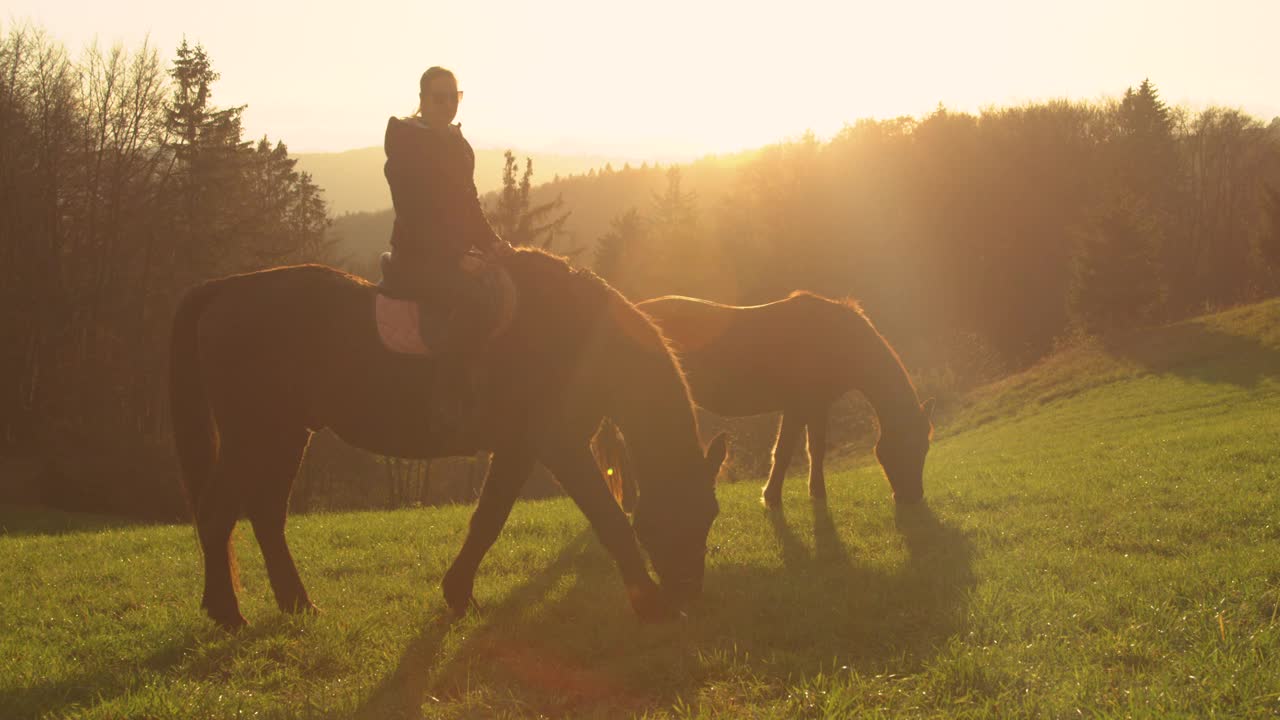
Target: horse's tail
[194,431]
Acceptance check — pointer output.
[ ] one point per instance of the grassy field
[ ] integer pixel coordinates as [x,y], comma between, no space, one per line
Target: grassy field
[1102,540]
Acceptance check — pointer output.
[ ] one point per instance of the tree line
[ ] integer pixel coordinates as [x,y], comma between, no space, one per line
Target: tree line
[122,184]
[1017,228]
[977,242]
[999,234]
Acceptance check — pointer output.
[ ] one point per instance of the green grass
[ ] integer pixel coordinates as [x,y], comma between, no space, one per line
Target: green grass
[1103,540]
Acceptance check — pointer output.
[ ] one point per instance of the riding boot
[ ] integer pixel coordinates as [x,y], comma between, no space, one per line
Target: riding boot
[449,395]
[455,394]
[454,331]
[435,324]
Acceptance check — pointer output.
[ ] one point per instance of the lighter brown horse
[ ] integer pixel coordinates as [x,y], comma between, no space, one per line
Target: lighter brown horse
[797,356]
[261,361]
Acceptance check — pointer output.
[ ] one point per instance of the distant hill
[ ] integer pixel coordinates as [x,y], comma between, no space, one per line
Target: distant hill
[353,182]
[593,196]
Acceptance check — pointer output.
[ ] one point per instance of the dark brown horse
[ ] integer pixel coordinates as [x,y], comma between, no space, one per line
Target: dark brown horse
[797,356]
[261,361]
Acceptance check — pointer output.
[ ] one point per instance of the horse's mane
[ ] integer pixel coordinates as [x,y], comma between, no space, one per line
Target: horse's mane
[598,296]
[581,280]
[862,324]
[849,302]
[599,304]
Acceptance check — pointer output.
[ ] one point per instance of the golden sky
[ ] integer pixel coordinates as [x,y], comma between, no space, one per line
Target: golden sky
[672,79]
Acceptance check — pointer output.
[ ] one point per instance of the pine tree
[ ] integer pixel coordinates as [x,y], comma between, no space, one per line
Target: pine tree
[197,124]
[1144,115]
[520,224]
[286,215]
[1148,171]
[239,206]
[675,261]
[209,160]
[616,249]
[1147,152]
[1115,280]
[675,212]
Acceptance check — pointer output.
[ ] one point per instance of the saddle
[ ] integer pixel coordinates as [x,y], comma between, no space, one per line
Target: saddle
[490,303]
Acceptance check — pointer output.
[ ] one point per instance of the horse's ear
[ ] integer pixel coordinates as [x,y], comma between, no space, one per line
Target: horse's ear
[716,452]
[927,408]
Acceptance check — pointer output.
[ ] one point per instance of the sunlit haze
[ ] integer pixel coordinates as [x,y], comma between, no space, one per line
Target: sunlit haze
[672,80]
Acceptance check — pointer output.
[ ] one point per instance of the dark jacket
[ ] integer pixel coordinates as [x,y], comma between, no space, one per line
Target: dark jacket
[438,213]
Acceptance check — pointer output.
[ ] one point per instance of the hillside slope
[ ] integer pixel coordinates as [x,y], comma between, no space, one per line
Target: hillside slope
[1225,353]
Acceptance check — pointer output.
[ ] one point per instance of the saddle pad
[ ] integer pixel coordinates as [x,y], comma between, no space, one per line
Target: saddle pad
[398,322]
[398,325]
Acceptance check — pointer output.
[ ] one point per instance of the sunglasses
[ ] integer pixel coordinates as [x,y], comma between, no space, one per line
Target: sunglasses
[444,98]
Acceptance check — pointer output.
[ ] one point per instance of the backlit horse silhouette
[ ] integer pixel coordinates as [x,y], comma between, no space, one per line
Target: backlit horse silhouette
[797,355]
[260,361]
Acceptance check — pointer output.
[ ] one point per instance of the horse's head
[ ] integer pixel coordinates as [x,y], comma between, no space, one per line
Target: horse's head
[901,450]
[674,531]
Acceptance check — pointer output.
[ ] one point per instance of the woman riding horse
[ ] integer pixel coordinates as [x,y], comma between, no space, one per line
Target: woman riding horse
[261,361]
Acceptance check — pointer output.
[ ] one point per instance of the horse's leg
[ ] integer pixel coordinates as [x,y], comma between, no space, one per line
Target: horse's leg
[277,458]
[507,474]
[817,426]
[789,431]
[576,472]
[216,512]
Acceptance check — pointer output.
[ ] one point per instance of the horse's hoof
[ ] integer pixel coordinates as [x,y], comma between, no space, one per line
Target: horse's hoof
[306,607]
[651,605]
[231,623]
[457,593]
[458,609]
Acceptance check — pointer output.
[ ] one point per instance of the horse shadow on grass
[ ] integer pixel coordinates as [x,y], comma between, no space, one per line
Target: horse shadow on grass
[200,652]
[449,654]
[566,644]
[80,691]
[1196,351]
[832,608]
